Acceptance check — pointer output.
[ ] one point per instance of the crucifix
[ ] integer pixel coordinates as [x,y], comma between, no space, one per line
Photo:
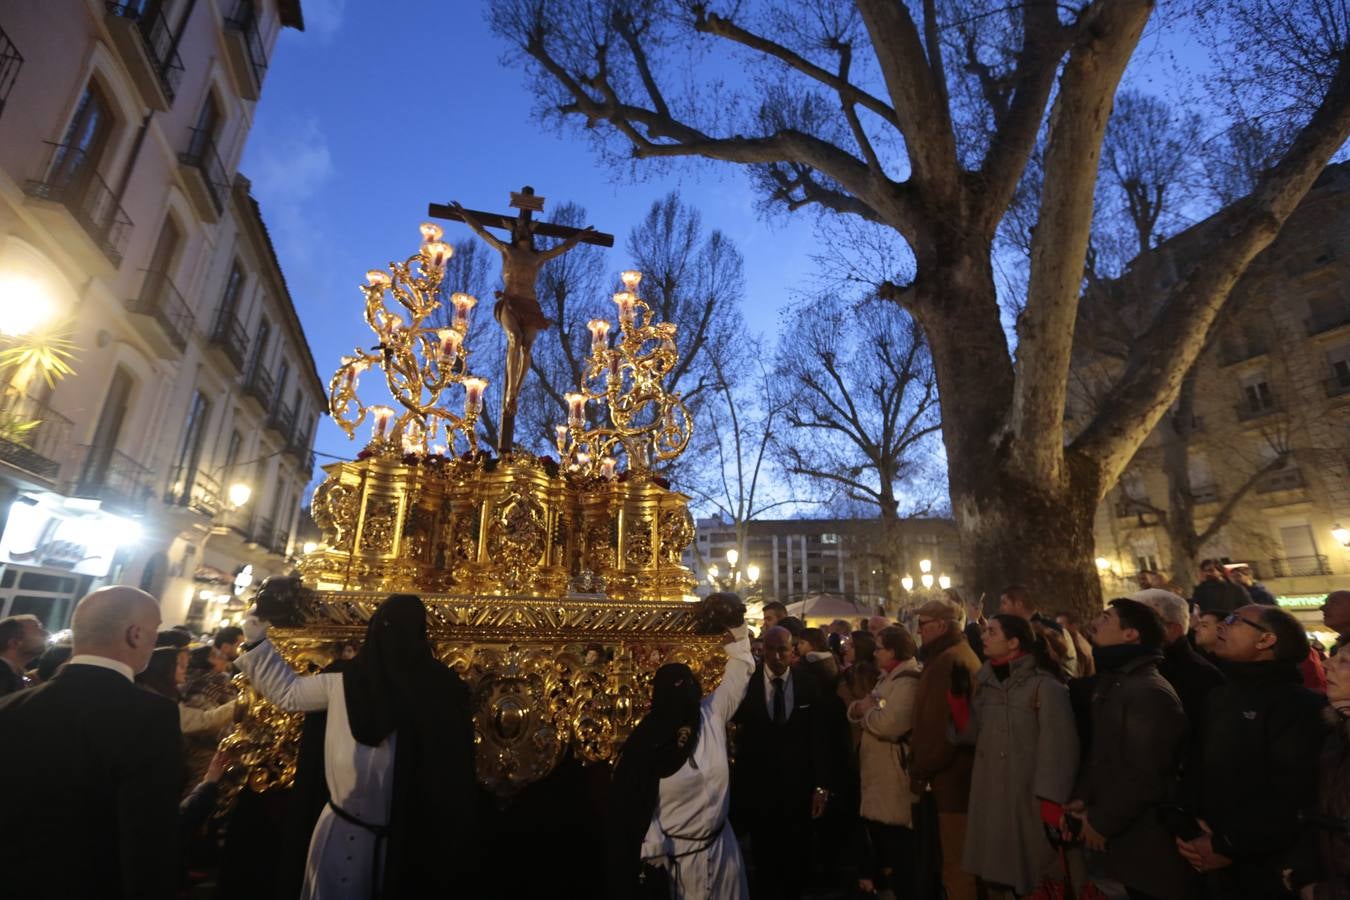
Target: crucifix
[517,309]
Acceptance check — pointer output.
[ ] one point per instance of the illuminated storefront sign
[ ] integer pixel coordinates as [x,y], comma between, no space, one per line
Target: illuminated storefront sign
[51,534]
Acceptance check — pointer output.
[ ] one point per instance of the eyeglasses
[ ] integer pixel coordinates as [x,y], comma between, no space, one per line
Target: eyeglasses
[924,623]
[1234,618]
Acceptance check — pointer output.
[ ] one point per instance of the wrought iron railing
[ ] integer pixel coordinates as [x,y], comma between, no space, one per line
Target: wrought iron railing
[69,177]
[282,419]
[1326,320]
[11,61]
[244,20]
[201,154]
[160,300]
[1280,480]
[261,532]
[1231,353]
[1130,506]
[1299,566]
[259,385]
[158,39]
[33,436]
[1248,410]
[1337,385]
[115,478]
[228,334]
[194,490]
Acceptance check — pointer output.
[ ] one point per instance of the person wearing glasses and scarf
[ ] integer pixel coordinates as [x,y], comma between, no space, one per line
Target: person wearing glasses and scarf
[1256,772]
[668,831]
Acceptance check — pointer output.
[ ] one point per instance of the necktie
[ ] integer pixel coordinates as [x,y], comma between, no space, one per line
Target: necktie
[779,702]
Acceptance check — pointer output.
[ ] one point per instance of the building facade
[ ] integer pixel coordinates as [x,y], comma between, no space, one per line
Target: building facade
[795,558]
[1271,421]
[174,457]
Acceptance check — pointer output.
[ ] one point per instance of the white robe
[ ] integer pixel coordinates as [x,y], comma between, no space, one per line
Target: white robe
[695,800]
[360,778]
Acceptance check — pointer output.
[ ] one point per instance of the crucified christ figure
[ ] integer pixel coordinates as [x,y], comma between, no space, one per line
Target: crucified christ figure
[517,308]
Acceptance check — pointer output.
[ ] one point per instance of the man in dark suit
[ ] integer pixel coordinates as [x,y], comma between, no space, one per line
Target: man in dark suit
[93,766]
[22,640]
[784,768]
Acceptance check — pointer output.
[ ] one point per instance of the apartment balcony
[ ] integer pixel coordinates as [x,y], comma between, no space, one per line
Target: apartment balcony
[261,533]
[115,478]
[69,180]
[259,386]
[196,491]
[204,174]
[228,335]
[1327,320]
[279,541]
[146,46]
[1248,411]
[244,50]
[1204,494]
[282,419]
[11,61]
[33,436]
[1232,353]
[1299,566]
[1288,479]
[1337,386]
[298,447]
[1127,507]
[168,317]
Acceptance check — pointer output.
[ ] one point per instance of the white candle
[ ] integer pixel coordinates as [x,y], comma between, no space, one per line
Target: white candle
[627,302]
[463,303]
[382,416]
[631,278]
[473,395]
[599,335]
[561,431]
[576,409]
[450,341]
[430,232]
[437,253]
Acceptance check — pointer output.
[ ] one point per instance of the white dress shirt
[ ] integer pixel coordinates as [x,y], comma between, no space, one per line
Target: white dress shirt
[787,692]
[103,662]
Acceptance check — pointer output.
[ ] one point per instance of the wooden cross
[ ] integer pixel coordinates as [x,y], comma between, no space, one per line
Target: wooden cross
[528,203]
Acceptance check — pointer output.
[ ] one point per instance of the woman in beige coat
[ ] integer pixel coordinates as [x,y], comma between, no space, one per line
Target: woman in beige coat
[886,717]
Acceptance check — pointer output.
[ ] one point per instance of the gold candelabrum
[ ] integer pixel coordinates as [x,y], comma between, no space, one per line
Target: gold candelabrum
[554,587]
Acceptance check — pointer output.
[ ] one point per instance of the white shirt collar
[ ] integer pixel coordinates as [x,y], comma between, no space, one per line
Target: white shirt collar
[103,662]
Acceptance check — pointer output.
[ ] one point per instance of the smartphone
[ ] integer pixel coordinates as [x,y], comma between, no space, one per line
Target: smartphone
[1179,822]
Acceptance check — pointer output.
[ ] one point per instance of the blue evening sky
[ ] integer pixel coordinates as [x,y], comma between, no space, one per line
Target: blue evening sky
[379,108]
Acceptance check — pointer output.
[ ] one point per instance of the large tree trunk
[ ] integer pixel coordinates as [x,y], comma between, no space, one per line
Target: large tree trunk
[1182,539]
[1013,530]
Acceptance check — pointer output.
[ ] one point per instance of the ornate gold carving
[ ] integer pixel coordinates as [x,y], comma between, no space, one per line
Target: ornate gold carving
[523,660]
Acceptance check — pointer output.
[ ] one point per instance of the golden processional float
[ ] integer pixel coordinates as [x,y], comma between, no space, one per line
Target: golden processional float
[524,563]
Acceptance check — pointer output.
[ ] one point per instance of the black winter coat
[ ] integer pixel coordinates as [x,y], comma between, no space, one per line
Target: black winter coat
[1139,733]
[1192,677]
[1257,771]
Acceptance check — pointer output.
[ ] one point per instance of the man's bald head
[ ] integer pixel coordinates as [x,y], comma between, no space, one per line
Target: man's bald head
[877,624]
[117,622]
[1336,612]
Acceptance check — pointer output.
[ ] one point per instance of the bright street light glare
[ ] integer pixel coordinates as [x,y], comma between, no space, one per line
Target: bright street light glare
[239,494]
[25,305]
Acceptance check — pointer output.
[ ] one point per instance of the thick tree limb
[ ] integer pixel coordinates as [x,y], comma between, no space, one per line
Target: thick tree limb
[1059,246]
[714,24]
[923,119]
[1168,349]
[1044,42]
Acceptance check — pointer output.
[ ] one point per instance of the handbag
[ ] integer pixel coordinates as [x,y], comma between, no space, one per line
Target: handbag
[1056,888]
